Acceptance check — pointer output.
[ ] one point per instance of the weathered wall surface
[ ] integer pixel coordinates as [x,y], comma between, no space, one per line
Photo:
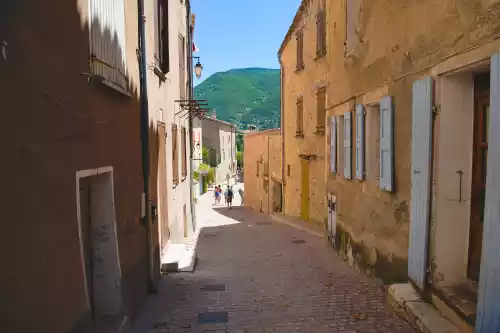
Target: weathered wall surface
[303,83]
[56,123]
[399,43]
[262,166]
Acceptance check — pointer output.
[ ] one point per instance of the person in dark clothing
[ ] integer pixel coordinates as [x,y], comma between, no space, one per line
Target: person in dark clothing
[230,195]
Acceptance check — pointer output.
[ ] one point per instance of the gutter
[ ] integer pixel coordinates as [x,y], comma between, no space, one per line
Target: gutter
[144,116]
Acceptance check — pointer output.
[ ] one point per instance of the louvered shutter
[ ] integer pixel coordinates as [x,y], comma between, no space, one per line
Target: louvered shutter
[333,145]
[360,142]
[347,146]
[107,41]
[386,144]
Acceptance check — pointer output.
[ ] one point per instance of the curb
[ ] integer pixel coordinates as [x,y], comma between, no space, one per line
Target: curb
[409,305]
[281,219]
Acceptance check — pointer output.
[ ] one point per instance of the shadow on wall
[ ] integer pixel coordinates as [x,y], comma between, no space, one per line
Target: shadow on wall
[61,120]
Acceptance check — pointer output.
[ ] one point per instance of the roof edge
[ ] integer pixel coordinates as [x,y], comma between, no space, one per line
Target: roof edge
[292,27]
[270,131]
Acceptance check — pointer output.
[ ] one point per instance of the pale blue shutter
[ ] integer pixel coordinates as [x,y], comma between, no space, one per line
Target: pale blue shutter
[347,146]
[360,142]
[386,144]
[488,305]
[333,145]
[421,149]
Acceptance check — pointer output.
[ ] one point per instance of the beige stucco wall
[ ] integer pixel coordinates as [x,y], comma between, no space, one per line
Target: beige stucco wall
[393,53]
[304,83]
[163,108]
[262,149]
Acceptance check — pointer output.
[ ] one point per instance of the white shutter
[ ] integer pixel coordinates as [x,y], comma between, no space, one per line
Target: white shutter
[347,146]
[386,144]
[360,142]
[333,145]
[107,41]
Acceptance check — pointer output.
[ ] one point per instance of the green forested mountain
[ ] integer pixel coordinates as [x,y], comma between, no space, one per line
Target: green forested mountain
[244,96]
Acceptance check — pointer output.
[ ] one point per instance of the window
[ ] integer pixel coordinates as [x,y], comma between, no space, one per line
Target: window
[320,111]
[162,56]
[223,155]
[300,116]
[182,67]
[360,142]
[333,145]
[340,145]
[347,146]
[184,152]
[352,24]
[373,143]
[300,50]
[107,45]
[175,156]
[321,34]
[257,168]
[288,170]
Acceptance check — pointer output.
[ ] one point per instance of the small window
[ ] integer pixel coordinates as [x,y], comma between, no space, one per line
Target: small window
[184,152]
[300,50]
[320,111]
[300,116]
[321,34]
[182,67]
[288,170]
[161,55]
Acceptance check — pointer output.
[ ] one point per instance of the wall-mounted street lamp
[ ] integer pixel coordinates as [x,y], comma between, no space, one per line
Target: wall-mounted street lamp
[198,68]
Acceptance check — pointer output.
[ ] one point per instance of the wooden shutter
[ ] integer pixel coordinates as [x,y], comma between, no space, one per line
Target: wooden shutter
[182,69]
[386,144]
[360,142]
[107,41]
[164,34]
[175,160]
[300,50]
[333,145]
[321,34]
[422,100]
[300,113]
[488,310]
[347,145]
[157,17]
[320,110]
[184,152]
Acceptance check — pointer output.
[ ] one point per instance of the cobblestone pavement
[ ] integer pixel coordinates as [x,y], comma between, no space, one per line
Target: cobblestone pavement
[256,275]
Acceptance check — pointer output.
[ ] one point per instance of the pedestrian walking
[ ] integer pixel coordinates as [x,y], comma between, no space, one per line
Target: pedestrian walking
[230,198]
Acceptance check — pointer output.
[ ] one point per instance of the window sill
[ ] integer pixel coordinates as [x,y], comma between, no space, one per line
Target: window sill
[114,86]
[160,74]
[299,135]
[299,68]
[183,178]
[320,130]
[319,56]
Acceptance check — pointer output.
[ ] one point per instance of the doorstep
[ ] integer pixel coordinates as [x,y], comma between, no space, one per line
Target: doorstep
[309,227]
[408,304]
[180,257]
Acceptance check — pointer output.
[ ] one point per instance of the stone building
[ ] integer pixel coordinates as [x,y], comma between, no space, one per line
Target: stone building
[413,101]
[219,137]
[303,58]
[262,171]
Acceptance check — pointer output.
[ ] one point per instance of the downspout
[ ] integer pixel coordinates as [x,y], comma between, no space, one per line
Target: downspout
[269,188]
[190,119]
[146,219]
[282,134]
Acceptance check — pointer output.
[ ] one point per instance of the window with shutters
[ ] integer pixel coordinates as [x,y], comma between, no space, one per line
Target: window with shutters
[184,152]
[182,67]
[373,143]
[107,43]
[333,145]
[347,145]
[360,142]
[162,55]
[288,170]
[321,34]
[340,145]
[320,111]
[353,11]
[300,50]
[175,156]
[386,144]
[300,117]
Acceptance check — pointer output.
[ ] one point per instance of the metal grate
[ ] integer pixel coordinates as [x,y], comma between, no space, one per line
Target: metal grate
[213,318]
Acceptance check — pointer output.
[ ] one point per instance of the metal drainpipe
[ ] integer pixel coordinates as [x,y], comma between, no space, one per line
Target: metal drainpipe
[269,187]
[282,134]
[190,119]
[146,220]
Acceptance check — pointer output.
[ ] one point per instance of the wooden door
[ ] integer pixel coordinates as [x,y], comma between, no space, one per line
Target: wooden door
[162,187]
[304,189]
[478,190]
[420,180]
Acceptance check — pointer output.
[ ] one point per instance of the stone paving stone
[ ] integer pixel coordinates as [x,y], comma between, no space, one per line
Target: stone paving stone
[271,284]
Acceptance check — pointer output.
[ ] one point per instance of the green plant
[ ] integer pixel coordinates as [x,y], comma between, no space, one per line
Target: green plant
[205,155]
[239,159]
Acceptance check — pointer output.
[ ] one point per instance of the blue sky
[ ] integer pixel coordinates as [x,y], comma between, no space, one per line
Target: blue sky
[240,33]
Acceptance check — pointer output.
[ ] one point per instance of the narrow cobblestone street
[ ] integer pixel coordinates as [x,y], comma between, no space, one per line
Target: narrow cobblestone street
[256,275]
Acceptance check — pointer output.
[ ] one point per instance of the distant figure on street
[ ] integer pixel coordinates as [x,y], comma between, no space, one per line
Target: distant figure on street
[230,198]
[216,195]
